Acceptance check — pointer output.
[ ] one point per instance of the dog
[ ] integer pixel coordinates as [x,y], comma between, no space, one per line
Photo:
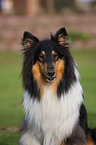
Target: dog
[53,98]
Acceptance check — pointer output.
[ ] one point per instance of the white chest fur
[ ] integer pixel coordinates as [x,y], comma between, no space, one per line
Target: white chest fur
[56,117]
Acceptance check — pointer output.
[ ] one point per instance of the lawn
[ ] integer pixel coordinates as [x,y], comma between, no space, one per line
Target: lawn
[11,91]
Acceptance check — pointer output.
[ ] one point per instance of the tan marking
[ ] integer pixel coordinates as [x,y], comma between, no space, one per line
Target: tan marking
[63,40]
[53,52]
[39,78]
[43,53]
[28,43]
[43,68]
[90,141]
[63,142]
[59,68]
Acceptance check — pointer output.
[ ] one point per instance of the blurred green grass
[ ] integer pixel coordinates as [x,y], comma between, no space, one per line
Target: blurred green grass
[79,36]
[86,60]
[11,91]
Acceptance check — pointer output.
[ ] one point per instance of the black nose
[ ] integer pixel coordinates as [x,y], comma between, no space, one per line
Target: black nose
[51,73]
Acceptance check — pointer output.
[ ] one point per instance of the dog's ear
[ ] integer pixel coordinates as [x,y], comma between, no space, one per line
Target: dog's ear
[61,37]
[28,40]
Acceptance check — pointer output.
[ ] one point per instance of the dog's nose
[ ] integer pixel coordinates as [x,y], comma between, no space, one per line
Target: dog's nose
[51,73]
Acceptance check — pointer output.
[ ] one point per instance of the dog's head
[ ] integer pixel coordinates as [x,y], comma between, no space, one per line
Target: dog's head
[47,59]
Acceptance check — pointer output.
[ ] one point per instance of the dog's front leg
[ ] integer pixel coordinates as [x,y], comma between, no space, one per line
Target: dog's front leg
[28,139]
[51,140]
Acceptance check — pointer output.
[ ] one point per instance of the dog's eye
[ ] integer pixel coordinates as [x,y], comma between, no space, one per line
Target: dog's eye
[55,57]
[41,58]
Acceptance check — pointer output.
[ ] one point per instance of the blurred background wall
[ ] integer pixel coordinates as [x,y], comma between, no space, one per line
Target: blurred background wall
[44,16]
[35,6]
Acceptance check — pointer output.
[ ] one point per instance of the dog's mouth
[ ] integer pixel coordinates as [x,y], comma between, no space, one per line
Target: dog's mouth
[49,78]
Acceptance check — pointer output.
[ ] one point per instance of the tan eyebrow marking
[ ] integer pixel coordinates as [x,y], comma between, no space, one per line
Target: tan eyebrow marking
[43,53]
[53,52]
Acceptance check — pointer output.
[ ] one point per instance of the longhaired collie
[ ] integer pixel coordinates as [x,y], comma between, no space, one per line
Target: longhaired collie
[53,98]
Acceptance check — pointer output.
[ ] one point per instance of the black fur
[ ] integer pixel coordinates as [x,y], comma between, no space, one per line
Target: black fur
[29,60]
[78,137]
[24,126]
[68,76]
[83,119]
[92,133]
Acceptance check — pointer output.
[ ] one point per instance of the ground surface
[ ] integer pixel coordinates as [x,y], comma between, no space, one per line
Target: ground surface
[11,92]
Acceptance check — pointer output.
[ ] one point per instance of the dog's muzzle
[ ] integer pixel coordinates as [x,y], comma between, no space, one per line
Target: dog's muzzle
[50,75]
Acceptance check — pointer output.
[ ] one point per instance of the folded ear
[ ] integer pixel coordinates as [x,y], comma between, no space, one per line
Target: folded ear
[62,37]
[28,40]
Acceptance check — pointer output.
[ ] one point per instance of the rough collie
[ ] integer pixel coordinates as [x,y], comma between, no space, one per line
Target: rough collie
[53,98]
